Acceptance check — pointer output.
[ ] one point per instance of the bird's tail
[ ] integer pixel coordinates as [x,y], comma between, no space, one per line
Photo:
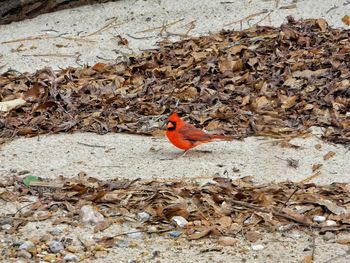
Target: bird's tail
[221,137]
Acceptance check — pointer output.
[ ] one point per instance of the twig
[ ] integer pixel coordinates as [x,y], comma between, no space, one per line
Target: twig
[104,28]
[308,179]
[143,231]
[331,9]
[247,18]
[313,248]
[166,25]
[51,55]
[40,37]
[92,145]
[138,38]
[285,203]
[275,213]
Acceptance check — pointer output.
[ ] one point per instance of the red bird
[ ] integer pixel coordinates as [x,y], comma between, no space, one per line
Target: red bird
[185,136]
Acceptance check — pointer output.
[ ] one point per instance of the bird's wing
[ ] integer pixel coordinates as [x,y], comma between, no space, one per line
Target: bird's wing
[193,134]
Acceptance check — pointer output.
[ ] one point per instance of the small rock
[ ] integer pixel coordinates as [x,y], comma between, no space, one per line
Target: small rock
[21,261]
[24,254]
[56,231]
[71,257]
[155,253]
[227,241]
[257,247]
[308,248]
[122,243]
[180,221]
[72,249]
[143,216]
[6,227]
[55,246]
[134,233]
[331,223]
[17,243]
[175,233]
[13,171]
[26,245]
[319,219]
[328,236]
[50,258]
[6,221]
[23,172]
[90,215]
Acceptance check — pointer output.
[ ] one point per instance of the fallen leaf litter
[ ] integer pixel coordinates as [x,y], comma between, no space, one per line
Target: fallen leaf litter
[218,208]
[264,81]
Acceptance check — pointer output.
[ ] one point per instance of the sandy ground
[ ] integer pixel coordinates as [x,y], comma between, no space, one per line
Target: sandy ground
[88,35]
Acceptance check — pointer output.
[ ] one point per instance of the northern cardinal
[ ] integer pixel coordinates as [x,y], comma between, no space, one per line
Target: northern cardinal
[185,136]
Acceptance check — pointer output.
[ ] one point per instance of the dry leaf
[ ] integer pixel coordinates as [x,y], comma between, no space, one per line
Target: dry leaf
[343,241]
[201,234]
[346,20]
[6,106]
[329,155]
[253,236]
[227,241]
[225,221]
[316,166]
[308,259]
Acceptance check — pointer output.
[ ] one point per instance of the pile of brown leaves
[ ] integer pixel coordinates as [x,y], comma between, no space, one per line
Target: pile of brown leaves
[261,81]
[221,207]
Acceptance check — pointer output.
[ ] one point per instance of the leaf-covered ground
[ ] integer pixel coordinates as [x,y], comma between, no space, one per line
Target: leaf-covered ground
[221,207]
[261,81]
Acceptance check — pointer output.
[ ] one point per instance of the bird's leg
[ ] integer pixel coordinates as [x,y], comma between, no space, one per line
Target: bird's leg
[184,153]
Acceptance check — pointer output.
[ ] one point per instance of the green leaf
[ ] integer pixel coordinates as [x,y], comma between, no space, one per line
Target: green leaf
[30,178]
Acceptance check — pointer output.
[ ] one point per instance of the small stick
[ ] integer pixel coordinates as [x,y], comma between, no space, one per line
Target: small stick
[285,203]
[92,145]
[166,25]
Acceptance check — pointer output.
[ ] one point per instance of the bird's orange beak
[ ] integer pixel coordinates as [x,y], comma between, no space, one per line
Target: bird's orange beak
[170,125]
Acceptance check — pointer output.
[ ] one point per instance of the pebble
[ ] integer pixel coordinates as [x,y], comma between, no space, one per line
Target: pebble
[55,246]
[26,245]
[143,216]
[122,243]
[319,219]
[328,236]
[6,221]
[23,172]
[20,261]
[17,243]
[90,215]
[257,247]
[50,258]
[175,233]
[308,248]
[56,231]
[71,257]
[134,233]
[6,227]
[24,254]
[180,221]
[331,223]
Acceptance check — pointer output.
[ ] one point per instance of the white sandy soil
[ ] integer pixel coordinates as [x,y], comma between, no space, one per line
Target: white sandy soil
[87,35]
